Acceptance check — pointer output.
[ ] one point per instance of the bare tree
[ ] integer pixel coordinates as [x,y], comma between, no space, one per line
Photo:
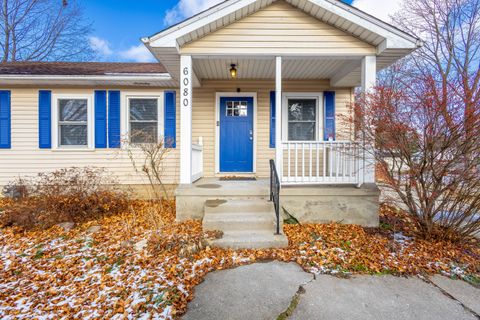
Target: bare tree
[426,158]
[422,123]
[43,30]
[451,52]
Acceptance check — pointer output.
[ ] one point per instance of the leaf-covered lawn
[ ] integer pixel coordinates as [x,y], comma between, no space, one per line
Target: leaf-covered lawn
[56,274]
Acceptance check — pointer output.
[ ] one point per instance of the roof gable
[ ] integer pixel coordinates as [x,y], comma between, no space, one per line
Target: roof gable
[333,12]
[278,28]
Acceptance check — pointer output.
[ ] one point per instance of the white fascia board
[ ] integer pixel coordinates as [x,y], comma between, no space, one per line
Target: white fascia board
[168,38]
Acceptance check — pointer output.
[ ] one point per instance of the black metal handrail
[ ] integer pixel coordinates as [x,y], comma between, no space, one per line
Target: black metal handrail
[275,192]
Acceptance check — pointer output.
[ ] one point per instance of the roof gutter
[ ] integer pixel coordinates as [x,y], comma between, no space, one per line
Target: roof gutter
[110,77]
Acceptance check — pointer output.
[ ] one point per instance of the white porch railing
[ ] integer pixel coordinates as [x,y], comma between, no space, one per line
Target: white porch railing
[321,162]
[197,161]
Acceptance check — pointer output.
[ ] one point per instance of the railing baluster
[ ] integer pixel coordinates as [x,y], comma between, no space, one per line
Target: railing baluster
[317,164]
[337,162]
[324,163]
[344,161]
[303,162]
[289,160]
[310,172]
[296,162]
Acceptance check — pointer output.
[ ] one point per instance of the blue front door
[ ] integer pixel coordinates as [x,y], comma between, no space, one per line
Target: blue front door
[236,134]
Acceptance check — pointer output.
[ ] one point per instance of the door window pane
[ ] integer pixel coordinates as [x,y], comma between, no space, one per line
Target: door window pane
[73,122]
[237,109]
[302,119]
[143,120]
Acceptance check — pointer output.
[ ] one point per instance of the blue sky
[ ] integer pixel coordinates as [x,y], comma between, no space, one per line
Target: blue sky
[119,24]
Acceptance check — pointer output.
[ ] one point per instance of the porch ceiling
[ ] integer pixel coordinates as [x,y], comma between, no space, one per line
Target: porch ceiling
[304,68]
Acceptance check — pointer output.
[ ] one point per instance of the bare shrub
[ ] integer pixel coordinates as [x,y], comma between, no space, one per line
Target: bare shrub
[147,155]
[65,195]
[427,157]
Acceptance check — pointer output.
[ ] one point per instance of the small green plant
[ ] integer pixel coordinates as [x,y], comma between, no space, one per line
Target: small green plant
[39,254]
[473,280]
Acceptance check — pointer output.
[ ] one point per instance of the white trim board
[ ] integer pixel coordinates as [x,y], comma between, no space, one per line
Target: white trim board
[219,95]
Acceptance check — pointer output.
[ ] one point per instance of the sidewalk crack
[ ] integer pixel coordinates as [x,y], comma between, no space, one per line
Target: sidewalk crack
[445,293]
[295,300]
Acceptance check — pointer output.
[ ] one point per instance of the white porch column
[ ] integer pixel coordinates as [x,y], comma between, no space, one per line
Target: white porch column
[369,80]
[185,119]
[278,117]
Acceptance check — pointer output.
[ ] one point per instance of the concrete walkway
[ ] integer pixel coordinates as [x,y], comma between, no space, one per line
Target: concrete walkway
[266,290]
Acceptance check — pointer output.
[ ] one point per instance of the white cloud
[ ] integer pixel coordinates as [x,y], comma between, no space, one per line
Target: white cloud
[187,8]
[382,9]
[100,46]
[137,54]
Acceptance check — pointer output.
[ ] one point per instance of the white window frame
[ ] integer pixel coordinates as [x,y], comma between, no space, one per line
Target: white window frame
[125,112]
[319,112]
[56,127]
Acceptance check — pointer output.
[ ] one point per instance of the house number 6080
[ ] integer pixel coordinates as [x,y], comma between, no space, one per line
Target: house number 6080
[185,82]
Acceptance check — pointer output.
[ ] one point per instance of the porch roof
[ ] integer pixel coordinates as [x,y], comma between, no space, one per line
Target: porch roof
[391,43]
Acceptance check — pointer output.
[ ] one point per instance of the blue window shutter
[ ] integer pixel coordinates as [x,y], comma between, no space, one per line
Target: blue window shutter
[114,119]
[329,112]
[170,114]
[44,119]
[272,119]
[100,119]
[5,120]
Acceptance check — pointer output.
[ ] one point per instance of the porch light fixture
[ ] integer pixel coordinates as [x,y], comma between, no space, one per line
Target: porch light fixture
[233,71]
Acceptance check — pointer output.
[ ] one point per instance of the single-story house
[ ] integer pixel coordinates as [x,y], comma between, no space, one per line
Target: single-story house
[236,85]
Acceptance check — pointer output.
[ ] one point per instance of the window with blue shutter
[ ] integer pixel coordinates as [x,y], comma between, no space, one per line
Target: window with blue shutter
[45,119]
[170,114]
[114,119]
[272,119]
[100,119]
[329,112]
[5,120]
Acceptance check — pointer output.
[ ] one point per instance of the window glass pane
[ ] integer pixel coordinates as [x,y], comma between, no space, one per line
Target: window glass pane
[301,131]
[73,135]
[237,109]
[302,109]
[72,109]
[302,119]
[143,109]
[144,132]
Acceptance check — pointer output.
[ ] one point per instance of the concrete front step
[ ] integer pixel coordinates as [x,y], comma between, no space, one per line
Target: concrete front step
[251,240]
[238,222]
[223,206]
[245,223]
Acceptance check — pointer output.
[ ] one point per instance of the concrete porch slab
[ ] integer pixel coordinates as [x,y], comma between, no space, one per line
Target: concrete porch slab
[308,204]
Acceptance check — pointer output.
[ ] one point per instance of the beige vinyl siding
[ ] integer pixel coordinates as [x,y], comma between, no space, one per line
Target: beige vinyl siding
[204,123]
[26,159]
[279,29]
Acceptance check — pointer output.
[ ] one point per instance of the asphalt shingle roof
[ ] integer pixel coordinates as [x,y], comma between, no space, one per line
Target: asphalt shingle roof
[79,68]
